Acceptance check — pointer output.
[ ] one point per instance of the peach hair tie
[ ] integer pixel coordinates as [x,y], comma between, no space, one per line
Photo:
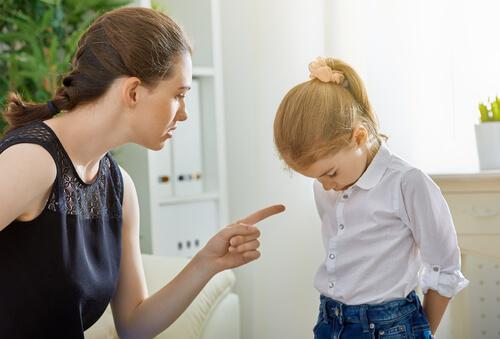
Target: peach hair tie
[320,70]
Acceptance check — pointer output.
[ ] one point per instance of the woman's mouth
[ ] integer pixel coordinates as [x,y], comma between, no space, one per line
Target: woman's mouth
[170,132]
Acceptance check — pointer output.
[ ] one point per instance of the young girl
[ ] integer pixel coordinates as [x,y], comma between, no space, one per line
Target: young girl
[69,219]
[382,219]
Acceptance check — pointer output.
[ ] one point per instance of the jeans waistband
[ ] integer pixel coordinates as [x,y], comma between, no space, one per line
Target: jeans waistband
[370,313]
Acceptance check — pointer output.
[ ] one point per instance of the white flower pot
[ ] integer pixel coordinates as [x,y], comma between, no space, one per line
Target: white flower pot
[488,144]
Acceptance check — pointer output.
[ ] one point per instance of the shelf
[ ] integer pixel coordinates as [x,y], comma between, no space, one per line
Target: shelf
[484,174]
[189,198]
[171,213]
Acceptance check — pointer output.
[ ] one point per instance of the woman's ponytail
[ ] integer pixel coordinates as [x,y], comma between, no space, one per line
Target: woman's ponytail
[137,42]
[19,113]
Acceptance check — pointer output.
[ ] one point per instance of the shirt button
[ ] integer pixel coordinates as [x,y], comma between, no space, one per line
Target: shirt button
[341,226]
[331,284]
[435,269]
[372,326]
[332,256]
[345,196]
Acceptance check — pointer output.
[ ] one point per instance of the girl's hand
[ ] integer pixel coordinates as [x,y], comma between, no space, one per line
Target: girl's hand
[236,244]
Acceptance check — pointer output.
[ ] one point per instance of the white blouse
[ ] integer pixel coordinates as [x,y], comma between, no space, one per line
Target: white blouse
[383,233]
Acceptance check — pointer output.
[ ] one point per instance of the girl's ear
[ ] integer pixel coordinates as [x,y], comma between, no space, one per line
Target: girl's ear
[359,136]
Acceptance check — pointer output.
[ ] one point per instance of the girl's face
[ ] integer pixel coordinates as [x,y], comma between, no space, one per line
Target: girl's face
[343,169]
[157,111]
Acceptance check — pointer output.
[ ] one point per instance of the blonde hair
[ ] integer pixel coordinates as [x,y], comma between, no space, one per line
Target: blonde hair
[317,118]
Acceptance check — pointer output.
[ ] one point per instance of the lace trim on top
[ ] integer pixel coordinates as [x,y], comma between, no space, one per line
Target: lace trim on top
[70,195]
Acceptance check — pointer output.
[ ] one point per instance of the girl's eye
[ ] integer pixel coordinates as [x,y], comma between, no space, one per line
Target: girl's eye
[332,175]
[181,96]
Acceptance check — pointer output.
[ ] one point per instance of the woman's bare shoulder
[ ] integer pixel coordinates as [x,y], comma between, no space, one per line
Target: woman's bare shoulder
[27,172]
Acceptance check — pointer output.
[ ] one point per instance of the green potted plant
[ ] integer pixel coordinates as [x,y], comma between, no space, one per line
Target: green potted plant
[488,135]
[38,40]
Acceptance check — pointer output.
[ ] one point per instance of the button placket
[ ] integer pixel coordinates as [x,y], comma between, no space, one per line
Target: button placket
[330,266]
[331,256]
[346,194]
[340,217]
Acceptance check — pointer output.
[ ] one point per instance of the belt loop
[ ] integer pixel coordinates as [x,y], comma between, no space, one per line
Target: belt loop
[417,301]
[363,317]
[324,311]
[410,297]
[414,297]
[340,315]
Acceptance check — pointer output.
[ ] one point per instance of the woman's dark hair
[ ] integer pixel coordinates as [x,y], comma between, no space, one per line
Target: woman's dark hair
[138,42]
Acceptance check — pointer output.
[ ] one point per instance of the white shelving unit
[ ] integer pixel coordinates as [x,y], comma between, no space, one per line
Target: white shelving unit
[182,188]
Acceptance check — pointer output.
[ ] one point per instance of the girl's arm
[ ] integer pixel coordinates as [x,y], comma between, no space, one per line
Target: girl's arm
[434,308]
[427,214]
[27,172]
[138,316]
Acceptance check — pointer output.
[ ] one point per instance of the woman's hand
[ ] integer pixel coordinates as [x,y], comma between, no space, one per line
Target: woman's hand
[236,244]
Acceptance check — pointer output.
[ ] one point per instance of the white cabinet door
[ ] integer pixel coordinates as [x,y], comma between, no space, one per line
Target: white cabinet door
[187,158]
[183,229]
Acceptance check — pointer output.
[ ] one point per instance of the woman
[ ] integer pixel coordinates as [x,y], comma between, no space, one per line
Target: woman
[69,218]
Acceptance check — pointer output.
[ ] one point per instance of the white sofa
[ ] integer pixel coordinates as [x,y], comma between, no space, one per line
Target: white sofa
[214,314]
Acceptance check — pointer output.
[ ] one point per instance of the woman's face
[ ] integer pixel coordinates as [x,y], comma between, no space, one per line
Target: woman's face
[158,110]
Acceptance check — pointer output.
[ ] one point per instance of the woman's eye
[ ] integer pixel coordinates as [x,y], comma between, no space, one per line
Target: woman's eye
[332,175]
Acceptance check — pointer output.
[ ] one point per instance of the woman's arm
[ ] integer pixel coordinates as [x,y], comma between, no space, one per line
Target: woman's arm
[27,172]
[434,308]
[139,316]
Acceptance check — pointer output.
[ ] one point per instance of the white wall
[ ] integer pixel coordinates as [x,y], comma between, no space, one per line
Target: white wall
[266,48]
[426,65]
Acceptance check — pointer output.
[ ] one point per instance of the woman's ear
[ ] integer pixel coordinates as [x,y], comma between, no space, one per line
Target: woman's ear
[359,136]
[130,91]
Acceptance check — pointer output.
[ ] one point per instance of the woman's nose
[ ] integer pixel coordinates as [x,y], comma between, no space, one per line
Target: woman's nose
[181,115]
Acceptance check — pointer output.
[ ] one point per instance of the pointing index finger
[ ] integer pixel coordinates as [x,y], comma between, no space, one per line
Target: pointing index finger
[262,214]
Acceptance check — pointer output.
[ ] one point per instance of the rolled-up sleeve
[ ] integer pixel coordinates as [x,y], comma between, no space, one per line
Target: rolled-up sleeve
[426,213]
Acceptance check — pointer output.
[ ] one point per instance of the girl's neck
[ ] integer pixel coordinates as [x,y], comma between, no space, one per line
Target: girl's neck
[372,150]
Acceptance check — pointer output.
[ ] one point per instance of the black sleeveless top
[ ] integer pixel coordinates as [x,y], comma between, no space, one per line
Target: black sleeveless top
[59,271]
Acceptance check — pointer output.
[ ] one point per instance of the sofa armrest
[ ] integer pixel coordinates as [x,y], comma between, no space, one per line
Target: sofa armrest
[224,323]
[191,324]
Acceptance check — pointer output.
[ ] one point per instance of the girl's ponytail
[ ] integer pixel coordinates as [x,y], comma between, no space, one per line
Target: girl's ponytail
[358,91]
[317,117]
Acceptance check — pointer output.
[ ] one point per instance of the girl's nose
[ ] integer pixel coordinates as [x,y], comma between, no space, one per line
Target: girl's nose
[327,186]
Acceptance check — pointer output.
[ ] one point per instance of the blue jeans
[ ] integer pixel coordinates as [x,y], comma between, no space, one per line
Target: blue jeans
[397,319]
